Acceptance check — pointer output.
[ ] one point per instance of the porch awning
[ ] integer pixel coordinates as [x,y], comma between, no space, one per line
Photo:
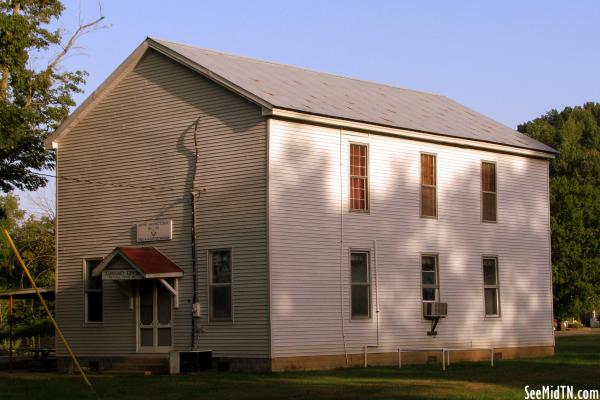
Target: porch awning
[129,263]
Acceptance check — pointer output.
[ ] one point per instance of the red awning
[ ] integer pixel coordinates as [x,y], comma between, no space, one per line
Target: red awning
[147,261]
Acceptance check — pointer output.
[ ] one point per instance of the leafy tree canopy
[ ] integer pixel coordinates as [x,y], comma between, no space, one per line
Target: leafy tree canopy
[575,204]
[34,237]
[33,101]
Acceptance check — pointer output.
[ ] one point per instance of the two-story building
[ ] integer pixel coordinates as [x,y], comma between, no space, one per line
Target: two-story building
[289,219]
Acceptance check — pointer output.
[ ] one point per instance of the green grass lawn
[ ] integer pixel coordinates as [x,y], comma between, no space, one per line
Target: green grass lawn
[576,363]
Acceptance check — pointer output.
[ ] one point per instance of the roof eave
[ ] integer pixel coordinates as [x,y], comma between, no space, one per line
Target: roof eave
[130,62]
[406,133]
[126,66]
[208,73]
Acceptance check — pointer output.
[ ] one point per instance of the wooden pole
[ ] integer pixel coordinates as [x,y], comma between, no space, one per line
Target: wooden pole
[10,332]
[37,291]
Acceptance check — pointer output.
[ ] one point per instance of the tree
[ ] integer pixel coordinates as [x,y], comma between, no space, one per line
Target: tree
[574,203]
[34,237]
[33,101]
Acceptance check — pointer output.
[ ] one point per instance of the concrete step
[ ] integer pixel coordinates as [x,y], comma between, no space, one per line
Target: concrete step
[140,365]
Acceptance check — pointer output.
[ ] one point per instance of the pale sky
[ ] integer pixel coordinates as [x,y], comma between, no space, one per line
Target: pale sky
[510,60]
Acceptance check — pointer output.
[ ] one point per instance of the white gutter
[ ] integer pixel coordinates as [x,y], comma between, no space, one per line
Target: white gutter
[404,133]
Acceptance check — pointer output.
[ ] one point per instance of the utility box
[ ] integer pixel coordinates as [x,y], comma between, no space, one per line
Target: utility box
[185,362]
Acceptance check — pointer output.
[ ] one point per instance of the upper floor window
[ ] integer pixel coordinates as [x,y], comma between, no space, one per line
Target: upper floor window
[220,285]
[491,287]
[93,292]
[488,191]
[360,285]
[429,278]
[359,179]
[428,185]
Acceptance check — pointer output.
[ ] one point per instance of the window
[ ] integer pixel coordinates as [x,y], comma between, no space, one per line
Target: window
[220,285]
[359,181]
[429,278]
[490,287]
[428,185]
[93,293]
[361,285]
[488,191]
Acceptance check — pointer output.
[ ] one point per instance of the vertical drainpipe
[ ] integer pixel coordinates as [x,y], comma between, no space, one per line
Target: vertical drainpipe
[341,255]
[194,266]
[193,231]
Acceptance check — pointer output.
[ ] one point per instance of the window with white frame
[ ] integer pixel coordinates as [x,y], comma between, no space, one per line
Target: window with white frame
[220,285]
[491,287]
[430,282]
[428,185]
[359,179]
[93,292]
[488,192]
[360,285]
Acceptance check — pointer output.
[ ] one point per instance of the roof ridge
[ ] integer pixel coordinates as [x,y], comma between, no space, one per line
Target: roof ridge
[422,92]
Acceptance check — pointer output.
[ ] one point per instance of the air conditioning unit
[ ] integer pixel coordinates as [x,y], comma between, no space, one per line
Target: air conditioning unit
[183,362]
[436,310]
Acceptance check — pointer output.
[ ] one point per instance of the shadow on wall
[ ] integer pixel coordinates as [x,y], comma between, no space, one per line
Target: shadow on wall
[308,195]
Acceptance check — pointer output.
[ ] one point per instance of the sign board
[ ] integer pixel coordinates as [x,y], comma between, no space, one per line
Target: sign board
[154,230]
[120,275]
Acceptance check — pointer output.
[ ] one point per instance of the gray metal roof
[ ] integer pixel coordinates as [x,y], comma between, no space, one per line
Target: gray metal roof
[298,89]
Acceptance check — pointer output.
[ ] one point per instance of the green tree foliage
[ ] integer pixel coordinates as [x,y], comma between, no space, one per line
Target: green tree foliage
[575,204]
[33,100]
[34,237]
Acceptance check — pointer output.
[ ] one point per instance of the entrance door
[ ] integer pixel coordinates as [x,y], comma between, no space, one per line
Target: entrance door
[155,329]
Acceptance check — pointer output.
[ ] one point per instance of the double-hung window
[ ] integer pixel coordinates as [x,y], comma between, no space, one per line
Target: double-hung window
[359,179]
[360,285]
[430,282]
[488,192]
[491,287]
[220,285]
[93,292]
[428,185]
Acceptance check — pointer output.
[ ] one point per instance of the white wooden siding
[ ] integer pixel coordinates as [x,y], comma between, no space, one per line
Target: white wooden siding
[307,193]
[141,134]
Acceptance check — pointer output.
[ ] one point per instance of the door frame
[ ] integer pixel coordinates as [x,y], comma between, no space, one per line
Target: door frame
[155,349]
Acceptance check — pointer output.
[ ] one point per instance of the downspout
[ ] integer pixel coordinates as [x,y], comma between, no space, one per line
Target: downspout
[376,287]
[342,251]
[193,232]
[366,346]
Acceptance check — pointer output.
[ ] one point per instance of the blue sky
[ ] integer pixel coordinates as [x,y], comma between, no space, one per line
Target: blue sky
[510,60]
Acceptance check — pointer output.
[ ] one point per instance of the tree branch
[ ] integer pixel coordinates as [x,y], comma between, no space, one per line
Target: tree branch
[81,30]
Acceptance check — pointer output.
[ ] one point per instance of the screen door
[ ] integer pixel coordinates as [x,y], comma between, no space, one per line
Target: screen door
[154,316]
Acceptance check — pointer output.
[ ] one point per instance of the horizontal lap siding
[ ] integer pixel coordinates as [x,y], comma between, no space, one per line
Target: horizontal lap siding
[231,213]
[305,252]
[141,134]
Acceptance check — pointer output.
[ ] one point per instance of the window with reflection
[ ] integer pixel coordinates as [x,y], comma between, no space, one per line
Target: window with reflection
[220,285]
[360,285]
[428,185]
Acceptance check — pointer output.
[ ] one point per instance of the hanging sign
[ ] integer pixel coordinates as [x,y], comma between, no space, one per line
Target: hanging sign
[120,275]
[154,230]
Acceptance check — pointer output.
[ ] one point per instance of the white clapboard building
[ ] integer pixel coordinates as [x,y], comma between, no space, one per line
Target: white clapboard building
[281,218]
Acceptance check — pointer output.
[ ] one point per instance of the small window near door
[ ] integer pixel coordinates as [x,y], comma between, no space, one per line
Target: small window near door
[220,285]
[488,192]
[491,287]
[93,292]
[430,278]
[360,285]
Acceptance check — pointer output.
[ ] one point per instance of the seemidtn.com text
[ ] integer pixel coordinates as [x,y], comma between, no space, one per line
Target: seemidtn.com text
[560,392]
